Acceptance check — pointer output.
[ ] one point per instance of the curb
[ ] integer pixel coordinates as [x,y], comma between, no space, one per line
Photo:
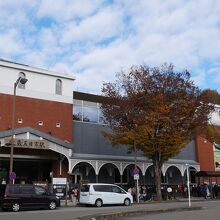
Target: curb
[116,215]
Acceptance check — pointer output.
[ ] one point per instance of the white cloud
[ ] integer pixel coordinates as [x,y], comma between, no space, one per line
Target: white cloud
[96,38]
[199,78]
[67,9]
[104,24]
[10,43]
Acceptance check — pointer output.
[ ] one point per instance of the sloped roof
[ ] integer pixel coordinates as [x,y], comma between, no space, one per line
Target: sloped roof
[33,131]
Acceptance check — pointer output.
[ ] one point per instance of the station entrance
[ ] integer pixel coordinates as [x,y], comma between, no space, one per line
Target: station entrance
[27,171]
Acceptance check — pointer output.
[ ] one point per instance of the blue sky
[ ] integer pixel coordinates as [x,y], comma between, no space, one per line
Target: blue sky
[94,39]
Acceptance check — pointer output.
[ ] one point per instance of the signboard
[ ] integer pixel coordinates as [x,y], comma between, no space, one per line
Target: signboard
[135,171]
[60,187]
[28,143]
[136,177]
[216,149]
[59,181]
[41,183]
[12,176]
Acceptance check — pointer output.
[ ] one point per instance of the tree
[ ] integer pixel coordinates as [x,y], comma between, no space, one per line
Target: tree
[212,132]
[155,110]
[212,95]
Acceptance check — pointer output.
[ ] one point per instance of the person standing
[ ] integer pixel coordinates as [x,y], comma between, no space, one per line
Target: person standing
[74,195]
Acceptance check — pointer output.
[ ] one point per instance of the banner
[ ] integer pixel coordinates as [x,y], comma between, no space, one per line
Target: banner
[216,149]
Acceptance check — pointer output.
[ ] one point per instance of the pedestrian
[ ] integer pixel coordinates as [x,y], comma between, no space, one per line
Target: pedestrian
[130,190]
[216,190]
[73,194]
[169,192]
[3,181]
[174,191]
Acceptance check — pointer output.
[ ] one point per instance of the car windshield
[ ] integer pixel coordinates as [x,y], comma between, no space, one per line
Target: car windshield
[39,190]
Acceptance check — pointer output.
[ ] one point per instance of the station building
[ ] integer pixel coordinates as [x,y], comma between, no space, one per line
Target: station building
[43,117]
[58,132]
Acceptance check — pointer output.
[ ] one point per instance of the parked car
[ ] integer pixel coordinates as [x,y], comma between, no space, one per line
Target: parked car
[99,194]
[23,196]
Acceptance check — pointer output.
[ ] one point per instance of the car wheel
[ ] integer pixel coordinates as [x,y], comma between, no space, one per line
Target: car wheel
[127,202]
[98,203]
[52,205]
[15,207]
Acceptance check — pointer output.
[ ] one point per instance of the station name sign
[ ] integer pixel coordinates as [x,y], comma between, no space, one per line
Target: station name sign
[29,143]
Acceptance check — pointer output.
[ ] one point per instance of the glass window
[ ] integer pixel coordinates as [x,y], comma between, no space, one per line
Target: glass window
[58,87]
[27,190]
[85,188]
[13,189]
[39,190]
[101,117]
[116,189]
[87,111]
[20,85]
[90,114]
[77,112]
[102,188]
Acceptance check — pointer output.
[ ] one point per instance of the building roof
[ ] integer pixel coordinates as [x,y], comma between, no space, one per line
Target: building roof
[87,97]
[24,67]
[45,136]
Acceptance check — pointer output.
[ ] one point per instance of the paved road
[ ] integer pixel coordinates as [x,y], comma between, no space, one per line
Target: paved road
[72,212]
[211,211]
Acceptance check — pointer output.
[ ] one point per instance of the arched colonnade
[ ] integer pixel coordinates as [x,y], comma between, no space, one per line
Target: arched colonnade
[122,172]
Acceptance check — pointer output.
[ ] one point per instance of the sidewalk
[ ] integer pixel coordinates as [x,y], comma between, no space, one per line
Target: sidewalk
[179,199]
[68,203]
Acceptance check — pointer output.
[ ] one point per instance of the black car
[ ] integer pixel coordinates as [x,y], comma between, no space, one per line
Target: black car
[23,196]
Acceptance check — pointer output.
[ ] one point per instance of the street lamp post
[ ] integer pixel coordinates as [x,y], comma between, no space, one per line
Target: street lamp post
[188,185]
[136,173]
[21,80]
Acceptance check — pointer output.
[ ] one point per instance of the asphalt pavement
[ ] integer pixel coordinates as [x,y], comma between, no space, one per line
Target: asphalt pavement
[134,211]
[153,207]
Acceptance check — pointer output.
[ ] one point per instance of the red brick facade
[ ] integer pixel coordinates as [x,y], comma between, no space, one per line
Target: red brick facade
[31,111]
[205,155]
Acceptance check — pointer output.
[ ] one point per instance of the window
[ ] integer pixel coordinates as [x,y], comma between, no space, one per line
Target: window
[13,189]
[77,112]
[90,112]
[103,188]
[101,117]
[20,85]
[20,121]
[40,190]
[27,190]
[58,87]
[115,189]
[85,188]
[41,123]
[58,124]
[87,111]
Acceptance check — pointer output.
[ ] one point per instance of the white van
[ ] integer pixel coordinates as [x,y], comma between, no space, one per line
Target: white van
[99,194]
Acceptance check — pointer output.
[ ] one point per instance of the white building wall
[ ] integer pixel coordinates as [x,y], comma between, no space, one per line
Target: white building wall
[215,116]
[41,83]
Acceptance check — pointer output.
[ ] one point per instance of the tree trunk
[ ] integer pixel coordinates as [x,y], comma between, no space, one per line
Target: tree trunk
[157,172]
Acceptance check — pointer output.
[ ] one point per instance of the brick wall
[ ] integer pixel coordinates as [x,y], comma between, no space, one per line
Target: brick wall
[205,155]
[31,111]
